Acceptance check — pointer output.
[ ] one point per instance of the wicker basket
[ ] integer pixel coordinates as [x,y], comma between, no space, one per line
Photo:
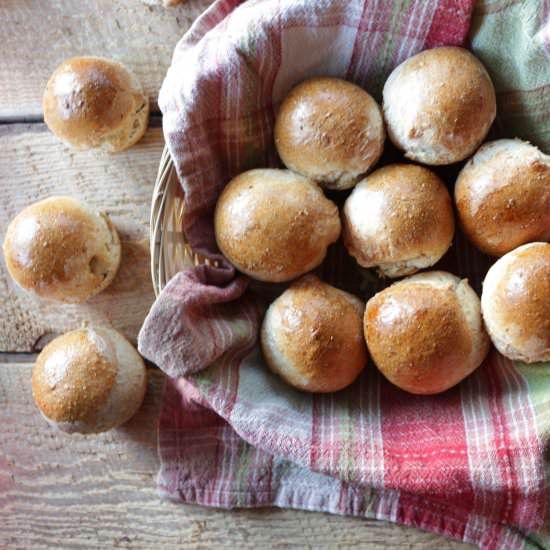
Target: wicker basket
[170,251]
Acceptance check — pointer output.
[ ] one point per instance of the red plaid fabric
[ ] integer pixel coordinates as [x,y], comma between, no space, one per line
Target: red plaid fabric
[470,463]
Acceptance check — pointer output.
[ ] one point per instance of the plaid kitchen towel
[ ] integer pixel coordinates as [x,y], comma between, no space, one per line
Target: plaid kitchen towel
[471,463]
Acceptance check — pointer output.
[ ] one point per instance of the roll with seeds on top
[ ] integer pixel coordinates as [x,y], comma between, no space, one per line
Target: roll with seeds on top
[89,380]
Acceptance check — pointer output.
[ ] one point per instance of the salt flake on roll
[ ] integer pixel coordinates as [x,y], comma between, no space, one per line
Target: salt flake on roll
[439,105]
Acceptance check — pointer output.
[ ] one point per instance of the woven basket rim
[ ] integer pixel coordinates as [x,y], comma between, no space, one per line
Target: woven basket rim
[170,251]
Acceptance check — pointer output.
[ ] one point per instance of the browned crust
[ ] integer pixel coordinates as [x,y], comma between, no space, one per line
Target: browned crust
[418,337]
[523,295]
[53,243]
[418,218]
[327,125]
[457,106]
[83,384]
[274,225]
[514,203]
[47,235]
[326,345]
[86,98]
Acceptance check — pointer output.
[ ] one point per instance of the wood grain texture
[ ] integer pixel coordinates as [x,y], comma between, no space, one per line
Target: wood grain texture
[58,490]
[35,165]
[99,492]
[35,40]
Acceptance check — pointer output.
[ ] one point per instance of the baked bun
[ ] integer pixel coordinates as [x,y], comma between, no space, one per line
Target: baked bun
[399,219]
[312,336]
[503,196]
[274,225]
[439,105]
[329,130]
[94,102]
[89,380]
[516,303]
[425,333]
[62,250]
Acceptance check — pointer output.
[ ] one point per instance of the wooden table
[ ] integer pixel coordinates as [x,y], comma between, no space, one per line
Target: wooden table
[75,491]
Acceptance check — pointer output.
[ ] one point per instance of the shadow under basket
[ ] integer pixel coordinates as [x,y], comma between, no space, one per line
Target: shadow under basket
[170,251]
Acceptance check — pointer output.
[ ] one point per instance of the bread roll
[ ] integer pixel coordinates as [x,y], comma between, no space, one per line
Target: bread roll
[329,130]
[312,336]
[425,333]
[274,225]
[399,219]
[439,105]
[89,381]
[62,250]
[92,102]
[516,303]
[503,196]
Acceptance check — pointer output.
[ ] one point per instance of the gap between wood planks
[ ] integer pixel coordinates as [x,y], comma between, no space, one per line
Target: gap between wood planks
[155,120]
[23,358]
[34,164]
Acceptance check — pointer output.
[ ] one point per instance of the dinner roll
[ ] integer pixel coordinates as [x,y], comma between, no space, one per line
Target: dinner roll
[274,225]
[62,250]
[95,102]
[425,333]
[89,380]
[503,196]
[439,105]
[399,219]
[312,337]
[329,130]
[516,303]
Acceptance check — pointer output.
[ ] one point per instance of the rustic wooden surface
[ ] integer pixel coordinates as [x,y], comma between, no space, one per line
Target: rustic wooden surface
[58,490]
[99,492]
[35,165]
[37,35]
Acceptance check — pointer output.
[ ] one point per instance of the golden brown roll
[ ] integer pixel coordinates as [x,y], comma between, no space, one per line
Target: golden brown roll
[62,250]
[516,303]
[274,225]
[94,102]
[329,130]
[425,333]
[312,337]
[439,105]
[503,196]
[89,380]
[399,219]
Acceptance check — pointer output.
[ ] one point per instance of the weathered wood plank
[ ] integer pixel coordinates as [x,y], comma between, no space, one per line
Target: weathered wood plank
[99,492]
[20,357]
[35,40]
[35,165]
